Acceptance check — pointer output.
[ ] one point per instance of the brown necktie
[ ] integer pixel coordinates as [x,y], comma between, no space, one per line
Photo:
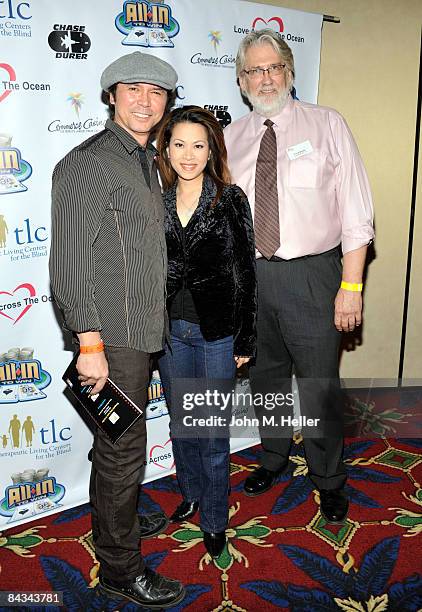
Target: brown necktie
[266,223]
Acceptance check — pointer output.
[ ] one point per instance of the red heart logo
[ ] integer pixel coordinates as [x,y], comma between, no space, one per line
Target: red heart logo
[277,20]
[31,291]
[159,446]
[12,77]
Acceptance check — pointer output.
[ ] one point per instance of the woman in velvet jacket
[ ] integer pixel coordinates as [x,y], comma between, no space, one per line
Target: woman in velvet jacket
[211,300]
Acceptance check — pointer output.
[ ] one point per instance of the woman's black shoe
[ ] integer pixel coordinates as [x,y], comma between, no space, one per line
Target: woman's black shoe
[184,511]
[215,543]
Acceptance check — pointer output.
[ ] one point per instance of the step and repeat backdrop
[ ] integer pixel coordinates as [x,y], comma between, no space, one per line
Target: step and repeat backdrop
[51,58]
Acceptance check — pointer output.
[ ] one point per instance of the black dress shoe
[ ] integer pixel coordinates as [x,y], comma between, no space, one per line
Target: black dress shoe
[152,524]
[150,590]
[334,505]
[260,480]
[215,543]
[184,511]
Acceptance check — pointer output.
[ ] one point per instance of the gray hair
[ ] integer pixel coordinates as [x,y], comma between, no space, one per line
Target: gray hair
[265,37]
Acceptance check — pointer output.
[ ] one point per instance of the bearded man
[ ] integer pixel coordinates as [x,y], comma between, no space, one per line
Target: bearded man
[309,194]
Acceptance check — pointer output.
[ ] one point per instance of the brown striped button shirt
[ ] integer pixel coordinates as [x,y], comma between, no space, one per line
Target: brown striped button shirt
[108,259]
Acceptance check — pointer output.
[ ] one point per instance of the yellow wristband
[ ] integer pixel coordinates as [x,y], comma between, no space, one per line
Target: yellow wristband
[351,286]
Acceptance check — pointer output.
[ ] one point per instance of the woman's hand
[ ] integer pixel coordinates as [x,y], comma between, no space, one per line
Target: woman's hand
[240,361]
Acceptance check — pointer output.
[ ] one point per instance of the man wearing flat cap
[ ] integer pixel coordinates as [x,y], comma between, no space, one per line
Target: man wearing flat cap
[108,273]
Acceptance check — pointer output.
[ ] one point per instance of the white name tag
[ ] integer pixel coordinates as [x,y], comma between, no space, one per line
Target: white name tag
[303,148]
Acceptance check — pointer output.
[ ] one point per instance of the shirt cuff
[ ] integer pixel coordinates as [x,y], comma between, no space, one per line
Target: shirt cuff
[79,319]
[356,238]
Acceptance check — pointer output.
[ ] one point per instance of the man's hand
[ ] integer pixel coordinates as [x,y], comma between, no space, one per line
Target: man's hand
[93,370]
[347,310]
[240,361]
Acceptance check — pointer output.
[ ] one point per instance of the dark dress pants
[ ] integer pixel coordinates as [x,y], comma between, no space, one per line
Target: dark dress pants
[116,473]
[296,330]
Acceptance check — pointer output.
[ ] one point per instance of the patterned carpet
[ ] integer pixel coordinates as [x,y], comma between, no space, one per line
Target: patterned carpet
[281,554]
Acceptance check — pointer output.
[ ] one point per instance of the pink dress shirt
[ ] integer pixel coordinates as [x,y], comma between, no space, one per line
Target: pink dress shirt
[324,194]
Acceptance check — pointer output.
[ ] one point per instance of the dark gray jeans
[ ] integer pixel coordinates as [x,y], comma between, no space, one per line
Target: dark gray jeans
[116,473]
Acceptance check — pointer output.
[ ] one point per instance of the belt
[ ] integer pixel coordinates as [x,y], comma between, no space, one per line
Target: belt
[334,250]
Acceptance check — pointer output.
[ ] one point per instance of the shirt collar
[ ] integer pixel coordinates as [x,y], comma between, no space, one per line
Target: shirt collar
[281,120]
[128,141]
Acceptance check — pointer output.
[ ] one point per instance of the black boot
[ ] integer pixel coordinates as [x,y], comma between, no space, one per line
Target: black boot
[184,511]
[215,543]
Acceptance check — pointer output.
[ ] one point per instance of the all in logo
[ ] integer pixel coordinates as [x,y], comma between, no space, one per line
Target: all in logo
[69,41]
[221,113]
[13,168]
[33,492]
[22,378]
[147,24]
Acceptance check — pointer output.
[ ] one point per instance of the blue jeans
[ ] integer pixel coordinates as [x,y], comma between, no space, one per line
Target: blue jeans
[202,464]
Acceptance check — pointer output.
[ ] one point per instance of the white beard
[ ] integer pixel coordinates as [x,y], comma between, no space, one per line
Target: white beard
[268,108]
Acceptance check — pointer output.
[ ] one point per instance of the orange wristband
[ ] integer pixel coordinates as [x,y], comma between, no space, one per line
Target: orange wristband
[92,348]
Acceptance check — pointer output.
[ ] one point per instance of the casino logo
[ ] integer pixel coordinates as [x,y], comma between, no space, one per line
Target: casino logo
[147,24]
[76,100]
[31,493]
[69,41]
[22,378]
[225,60]
[215,38]
[14,170]
[221,113]
[80,125]
[156,406]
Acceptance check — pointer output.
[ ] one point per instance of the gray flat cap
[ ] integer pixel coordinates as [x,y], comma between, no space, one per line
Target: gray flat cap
[139,67]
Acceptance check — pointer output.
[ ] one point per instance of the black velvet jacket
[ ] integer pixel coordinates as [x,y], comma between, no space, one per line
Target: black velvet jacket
[216,262]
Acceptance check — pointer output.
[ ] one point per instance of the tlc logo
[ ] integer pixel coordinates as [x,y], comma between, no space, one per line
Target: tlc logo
[28,235]
[53,435]
[14,10]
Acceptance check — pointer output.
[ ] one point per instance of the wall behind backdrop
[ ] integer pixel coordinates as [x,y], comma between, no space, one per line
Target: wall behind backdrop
[52,56]
[369,72]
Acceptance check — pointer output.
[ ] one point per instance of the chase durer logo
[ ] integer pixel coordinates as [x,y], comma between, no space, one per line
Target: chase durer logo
[221,113]
[147,24]
[69,41]
[13,168]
